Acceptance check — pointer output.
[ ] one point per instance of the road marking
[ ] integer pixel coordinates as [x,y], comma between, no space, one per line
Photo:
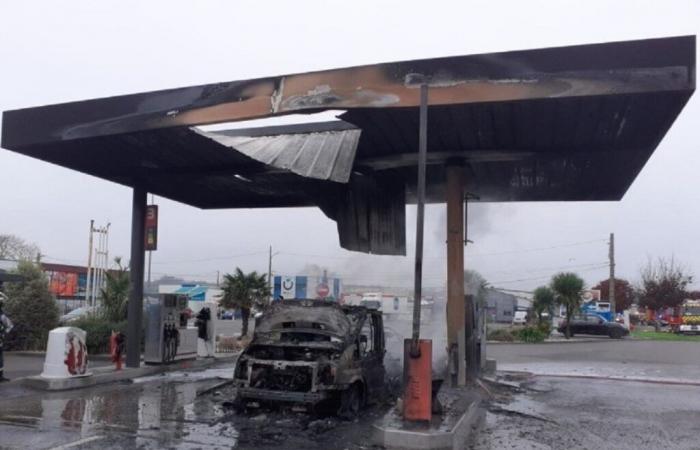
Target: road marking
[78,442]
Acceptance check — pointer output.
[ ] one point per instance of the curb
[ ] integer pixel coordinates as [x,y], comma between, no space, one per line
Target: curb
[563,341]
[107,374]
[678,382]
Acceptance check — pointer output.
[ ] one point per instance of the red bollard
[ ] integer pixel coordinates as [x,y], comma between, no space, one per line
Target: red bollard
[417,372]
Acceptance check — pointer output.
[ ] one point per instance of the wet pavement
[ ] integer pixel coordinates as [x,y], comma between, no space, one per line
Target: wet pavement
[627,358]
[555,413]
[24,364]
[184,410]
[187,410]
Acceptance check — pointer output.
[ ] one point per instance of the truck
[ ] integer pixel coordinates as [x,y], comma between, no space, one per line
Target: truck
[687,320]
[315,353]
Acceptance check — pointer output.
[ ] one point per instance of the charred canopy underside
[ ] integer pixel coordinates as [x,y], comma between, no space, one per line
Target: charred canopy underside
[559,124]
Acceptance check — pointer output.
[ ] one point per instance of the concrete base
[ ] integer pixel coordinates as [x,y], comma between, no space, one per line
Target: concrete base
[489,366]
[105,375]
[448,432]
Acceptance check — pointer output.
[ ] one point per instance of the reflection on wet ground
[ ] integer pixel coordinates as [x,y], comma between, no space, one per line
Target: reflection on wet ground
[167,412]
[154,414]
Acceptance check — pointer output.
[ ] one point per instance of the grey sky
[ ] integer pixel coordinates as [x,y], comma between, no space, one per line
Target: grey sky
[63,51]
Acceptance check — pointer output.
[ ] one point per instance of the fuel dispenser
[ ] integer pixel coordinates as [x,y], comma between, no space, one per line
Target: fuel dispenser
[168,338]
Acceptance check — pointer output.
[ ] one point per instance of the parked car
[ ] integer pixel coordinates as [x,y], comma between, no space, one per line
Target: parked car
[594,325]
[313,352]
[520,318]
[76,314]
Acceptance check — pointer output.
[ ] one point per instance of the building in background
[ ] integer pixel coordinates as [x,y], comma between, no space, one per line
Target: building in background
[500,306]
[307,286]
[198,294]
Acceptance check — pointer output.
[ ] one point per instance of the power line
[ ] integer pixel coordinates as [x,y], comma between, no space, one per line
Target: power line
[543,269]
[546,277]
[527,250]
[213,258]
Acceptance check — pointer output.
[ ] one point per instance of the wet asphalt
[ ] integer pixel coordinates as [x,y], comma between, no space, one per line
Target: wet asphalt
[190,410]
[560,413]
[604,357]
[183,410]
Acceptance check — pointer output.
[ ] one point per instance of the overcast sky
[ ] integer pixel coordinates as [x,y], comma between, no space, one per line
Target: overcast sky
[64,51]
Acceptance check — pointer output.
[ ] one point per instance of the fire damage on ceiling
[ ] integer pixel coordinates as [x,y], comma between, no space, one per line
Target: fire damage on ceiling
[559,124]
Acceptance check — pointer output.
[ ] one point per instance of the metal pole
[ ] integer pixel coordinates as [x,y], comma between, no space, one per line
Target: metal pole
[150,255]
[611,287]
[96,271]
[422,157]
[457,310]
[89,266]
[269,273]
[101,266]
[133,337]
[107,247]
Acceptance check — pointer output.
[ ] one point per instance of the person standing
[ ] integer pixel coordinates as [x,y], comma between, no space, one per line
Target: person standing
[203,323]
[5,327]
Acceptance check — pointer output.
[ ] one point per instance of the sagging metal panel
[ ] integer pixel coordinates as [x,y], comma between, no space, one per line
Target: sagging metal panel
[370,213]
[323,155]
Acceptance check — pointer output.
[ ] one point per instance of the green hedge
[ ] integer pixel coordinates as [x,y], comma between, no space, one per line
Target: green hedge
[98,332]
[501,334]
[532,334]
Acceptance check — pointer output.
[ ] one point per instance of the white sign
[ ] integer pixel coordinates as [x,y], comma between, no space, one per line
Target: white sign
[590,295]
[288,288]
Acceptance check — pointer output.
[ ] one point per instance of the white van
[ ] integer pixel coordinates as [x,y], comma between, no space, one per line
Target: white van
[520,318]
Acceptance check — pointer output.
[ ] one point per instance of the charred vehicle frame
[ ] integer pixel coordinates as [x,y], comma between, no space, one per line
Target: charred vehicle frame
[313,352]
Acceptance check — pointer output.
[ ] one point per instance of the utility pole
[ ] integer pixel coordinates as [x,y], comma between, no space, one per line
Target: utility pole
[217,278]
[611,287]
[269,274]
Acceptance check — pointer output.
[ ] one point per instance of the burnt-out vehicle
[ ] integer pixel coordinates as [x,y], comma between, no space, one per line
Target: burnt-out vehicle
[313,352]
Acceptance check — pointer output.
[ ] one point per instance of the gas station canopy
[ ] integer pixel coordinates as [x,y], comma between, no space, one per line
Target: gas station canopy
[558,124]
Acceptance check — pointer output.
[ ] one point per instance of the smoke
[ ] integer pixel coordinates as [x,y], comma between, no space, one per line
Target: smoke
[481,218]
[314,270]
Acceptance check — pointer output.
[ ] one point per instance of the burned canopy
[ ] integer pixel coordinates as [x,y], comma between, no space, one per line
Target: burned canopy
[569,123]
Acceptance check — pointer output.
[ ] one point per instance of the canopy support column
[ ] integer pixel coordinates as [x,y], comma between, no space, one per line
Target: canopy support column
[456,332]
[136,266]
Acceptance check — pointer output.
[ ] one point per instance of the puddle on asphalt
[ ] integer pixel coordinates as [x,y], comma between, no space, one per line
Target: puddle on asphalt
[224,373]
[153,413]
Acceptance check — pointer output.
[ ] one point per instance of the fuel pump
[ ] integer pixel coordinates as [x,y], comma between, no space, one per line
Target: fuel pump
[168,338]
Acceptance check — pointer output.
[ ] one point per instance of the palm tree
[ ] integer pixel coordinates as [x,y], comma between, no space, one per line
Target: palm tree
[244,291]
[568,287]
[115,293]
[543,301]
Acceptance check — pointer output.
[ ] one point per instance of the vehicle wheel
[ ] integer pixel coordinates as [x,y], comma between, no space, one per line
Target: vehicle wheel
[350,402]
[615,334]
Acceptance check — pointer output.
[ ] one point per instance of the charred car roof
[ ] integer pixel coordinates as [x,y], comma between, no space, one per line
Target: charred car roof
[318,315]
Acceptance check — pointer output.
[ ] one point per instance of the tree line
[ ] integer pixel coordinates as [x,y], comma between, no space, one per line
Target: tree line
[664,283]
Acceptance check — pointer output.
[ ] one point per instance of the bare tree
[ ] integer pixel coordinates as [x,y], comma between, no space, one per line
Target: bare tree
[664,284]
[15,248]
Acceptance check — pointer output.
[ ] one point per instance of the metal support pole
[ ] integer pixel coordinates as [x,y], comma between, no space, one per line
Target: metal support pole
[456,307]
[611,286]
[138,219]
[269,276]
[89,266]
[98,264]
[150,256]
[422,158]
